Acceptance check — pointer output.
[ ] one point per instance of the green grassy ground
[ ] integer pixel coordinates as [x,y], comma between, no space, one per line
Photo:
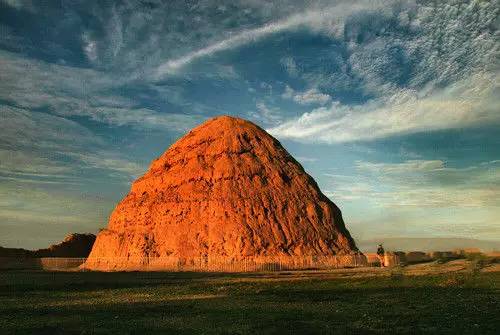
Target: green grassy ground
[277,303]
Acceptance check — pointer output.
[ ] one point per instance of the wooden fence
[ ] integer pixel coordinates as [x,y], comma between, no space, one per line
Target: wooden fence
[201,264]
[224,264]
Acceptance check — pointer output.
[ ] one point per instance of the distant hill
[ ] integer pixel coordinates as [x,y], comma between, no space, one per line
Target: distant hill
[427,244]
[15,252]
[74,245]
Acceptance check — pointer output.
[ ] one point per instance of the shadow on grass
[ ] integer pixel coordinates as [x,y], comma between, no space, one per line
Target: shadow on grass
[265,309]
[139,303]
[26,281]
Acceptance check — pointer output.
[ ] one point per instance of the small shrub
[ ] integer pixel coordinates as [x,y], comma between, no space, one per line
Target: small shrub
[455,280]
[472,256]
[478,261]
[397,274]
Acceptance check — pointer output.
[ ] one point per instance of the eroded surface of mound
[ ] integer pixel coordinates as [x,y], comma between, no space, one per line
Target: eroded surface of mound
[227,188]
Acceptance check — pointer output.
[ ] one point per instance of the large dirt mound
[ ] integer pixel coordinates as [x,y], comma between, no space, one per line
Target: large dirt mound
[227,188]
[73,245]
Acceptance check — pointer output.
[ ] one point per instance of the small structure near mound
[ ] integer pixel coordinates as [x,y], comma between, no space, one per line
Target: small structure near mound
[70,253]
[225,192]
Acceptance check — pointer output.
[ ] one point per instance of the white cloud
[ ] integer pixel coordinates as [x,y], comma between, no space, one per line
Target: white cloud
[437,48]
[31,83]
[266,114]
[42,148]
[90,47]
[419,184]
[144,118]
[15,162]
[420,198]
[288,93]
[231,42]
[22,128]
[439,197]
[290,66]
[110,161]
[410,166]
[116,33]
[69,91]
[20,4]
[316,19]
[469,102]
[304,159]
[439,74]
[312,96]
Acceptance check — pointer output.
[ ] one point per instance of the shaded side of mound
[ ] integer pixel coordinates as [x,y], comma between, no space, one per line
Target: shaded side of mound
[74,245]
[226,189]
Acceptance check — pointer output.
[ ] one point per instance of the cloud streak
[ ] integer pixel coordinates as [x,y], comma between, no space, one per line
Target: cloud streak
[312,96]
[466,103]
[68,91]
[438,74]
[313,19]
[38,147]
[237,40]
[421,183]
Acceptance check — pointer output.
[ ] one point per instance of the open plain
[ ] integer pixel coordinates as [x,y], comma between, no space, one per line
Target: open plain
[457,297]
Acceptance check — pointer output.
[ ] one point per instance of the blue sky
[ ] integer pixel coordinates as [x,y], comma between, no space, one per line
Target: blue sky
[392,106]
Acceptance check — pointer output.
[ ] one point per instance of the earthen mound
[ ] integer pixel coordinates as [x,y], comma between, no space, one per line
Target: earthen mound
[73,245]
[226,189]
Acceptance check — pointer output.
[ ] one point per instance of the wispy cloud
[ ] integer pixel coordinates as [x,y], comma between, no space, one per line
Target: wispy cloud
[313,19]
[35,216]
[439,74]
[420,184]
[290,66]
[39,147]
[312,96]
[422,198]
[469,102]
[239,39]
[20,4]
[410,166]
[85,108]
[69,91]
[265,114]
[112,162]
[15,162]
[90,47]
[144,118]
[23,128]
[305,159]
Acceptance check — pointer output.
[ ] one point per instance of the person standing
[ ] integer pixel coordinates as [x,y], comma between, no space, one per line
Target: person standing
[381,255]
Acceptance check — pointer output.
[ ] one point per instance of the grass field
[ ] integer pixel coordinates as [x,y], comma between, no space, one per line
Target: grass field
[405,300]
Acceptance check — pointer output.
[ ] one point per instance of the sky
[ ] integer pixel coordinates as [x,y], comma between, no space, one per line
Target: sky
[392,106]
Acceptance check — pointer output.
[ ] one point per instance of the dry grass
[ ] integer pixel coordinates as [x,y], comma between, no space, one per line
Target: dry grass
[423,298]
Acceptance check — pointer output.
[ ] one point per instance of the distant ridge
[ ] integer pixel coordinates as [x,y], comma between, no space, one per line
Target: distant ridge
[73,245]
[427,244]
